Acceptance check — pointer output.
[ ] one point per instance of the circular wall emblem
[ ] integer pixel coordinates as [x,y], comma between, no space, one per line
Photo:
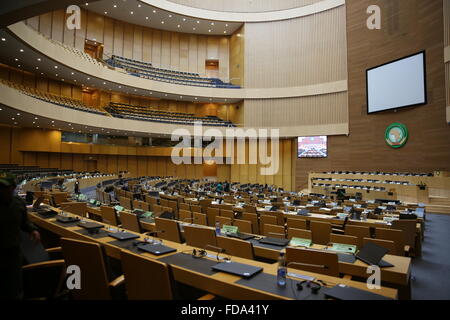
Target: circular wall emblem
[396,135]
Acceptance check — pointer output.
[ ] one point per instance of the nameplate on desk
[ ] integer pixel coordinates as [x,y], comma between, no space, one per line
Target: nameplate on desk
[300,242]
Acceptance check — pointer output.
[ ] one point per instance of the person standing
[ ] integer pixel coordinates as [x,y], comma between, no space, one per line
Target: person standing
[77,187]
[13,220]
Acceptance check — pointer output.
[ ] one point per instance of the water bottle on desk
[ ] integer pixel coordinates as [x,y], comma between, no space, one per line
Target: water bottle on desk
[281,273]
[218,228]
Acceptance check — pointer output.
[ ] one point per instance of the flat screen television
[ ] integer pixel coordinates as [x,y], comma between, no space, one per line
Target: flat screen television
[312,147]
[397,84]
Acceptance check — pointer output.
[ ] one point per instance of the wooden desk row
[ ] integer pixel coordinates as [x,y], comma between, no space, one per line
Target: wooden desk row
[397,277]
[220,284]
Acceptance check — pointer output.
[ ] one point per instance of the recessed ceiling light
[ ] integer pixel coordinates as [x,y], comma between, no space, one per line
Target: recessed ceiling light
[34,122]
[15,122]
[139,5]
[209,30]
[178,26]
[18,114]
[38,59]
[13,119]
[224,32]
[42,73]
[154,11]
[198,21]
[162,22]
[115,6]
[212,23]
[35,118]
[56,67]
[19,65]
[226,25]
[131,12]
[86,3]
[3,39]
[37,68]
[53,121]
[89,78]
[196,98]
[106,12]
[184,19]
[62,79]
[193,28]
[146,18]
[104,82]
[1,109]
[21,50]
[120,87]
[16,59]
[72,73]
[170,16]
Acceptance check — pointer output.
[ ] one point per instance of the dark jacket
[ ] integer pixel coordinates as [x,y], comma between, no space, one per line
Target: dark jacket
[13,219]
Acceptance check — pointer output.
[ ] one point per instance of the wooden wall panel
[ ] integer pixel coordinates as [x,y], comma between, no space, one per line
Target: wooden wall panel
[408,27]
[297,112]
[296,52]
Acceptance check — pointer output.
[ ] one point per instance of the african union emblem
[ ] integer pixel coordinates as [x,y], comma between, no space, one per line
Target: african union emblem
[396,135]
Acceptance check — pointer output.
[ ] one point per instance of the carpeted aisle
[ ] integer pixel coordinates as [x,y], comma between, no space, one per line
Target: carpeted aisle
[431,272]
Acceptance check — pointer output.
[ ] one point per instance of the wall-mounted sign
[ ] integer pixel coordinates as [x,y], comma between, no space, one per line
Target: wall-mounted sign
[396,135]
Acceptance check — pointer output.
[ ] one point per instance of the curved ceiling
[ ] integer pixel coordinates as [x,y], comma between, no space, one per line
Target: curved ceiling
[18,10]
[144,14]
[245,16]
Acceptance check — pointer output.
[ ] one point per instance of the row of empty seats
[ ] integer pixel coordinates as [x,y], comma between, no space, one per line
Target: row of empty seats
[127,111]
[53,98]
[147,71]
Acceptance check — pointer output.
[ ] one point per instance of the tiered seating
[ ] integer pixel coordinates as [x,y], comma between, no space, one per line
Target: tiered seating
[126,111]
[147,71]
[52,98]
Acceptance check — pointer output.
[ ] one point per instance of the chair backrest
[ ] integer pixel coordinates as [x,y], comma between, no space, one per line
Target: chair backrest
[314,261]
[184,206]
[88,256]
[409,230]
[227,213]
[78,208]
[344,239]
[278,215]
[393,235]
[297,223]
[320,232]
[174,205]
[382,243]
[157,209]
[142,273]
[137,204]
[299,233]
[170,230]
[164,202]
[249,208]
[224,220]
[59,197]
[145,206]
[199,237]
[109,215]
[236,247]
[195,208]
[200,218]
[130,221]
[266,219]
[253,218]
[185,215]
[151,200]
[126,203]
[274,231]
[212,213]
[360,232]
[243,225]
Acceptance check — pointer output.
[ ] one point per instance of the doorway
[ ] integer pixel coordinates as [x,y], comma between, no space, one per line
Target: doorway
[94,49]
[212,68]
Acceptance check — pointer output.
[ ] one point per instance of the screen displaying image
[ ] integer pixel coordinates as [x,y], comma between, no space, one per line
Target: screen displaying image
[312,147]
[397,84]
